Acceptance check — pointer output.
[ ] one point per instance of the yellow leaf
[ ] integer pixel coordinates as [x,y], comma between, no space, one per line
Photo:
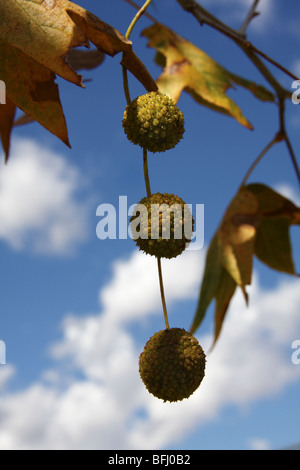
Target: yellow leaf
[186,67]
[42,30]
[237,237]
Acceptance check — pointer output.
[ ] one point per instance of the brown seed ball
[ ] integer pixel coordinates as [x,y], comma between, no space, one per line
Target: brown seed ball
[162,225]
[172,365]
[154,122]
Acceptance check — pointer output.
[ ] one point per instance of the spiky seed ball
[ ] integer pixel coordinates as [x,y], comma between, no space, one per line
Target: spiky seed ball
[172,365]
[162,225]
[154,122]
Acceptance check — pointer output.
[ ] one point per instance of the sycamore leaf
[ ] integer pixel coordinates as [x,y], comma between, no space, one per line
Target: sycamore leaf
[32,88]
[237,237]
[79,60]
[276,215]
[186,67]
[36,37]
[43,31]
[256,222]
[229,259]
[111,42]
[217,284]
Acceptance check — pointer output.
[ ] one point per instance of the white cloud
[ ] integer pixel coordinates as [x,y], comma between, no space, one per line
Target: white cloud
[289,192]
[6,373]
[93,397]
[181,278]
[259,444]
[39,207]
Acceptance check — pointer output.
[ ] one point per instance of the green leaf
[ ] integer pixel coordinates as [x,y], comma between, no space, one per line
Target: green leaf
[259,91]
[217,284]
[276,215]
[224,294]
[210,282]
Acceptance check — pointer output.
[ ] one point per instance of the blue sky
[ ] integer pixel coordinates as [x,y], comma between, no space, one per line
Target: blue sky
[76,311]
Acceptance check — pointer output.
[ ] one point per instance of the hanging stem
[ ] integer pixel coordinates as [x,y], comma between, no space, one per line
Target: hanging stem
[127,36]
[162,292]
[145,157]
[161,283]
[125,85]
[146,172]
[136,18]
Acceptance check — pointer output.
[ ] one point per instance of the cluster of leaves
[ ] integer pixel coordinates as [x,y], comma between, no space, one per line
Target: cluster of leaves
[37,42]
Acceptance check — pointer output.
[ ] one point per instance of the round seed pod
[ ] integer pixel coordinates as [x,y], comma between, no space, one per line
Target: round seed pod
[162,225]
[172,365]
[154,122]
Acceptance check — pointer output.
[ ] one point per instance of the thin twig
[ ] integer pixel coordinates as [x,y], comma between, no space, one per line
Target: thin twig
[162,292]
[283,131]
[127,36]
[134,5]
[293,156]
[273,62]
[278,137]
[251,15]
[146,172]
[126,85]
[136,18]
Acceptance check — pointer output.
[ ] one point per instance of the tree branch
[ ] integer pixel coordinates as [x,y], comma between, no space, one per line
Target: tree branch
[251,15]
[204,17]
[285,136]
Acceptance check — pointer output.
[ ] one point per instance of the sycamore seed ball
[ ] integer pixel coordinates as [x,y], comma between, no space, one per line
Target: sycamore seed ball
[154,122]
[162,225]
[172,365]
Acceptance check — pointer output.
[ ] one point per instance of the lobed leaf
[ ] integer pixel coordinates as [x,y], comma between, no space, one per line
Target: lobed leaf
[276,215]
[186,67]
[256,222]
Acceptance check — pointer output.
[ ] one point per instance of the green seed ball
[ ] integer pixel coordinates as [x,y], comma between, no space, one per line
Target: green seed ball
[154,122]
[162,225]
[172,365]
